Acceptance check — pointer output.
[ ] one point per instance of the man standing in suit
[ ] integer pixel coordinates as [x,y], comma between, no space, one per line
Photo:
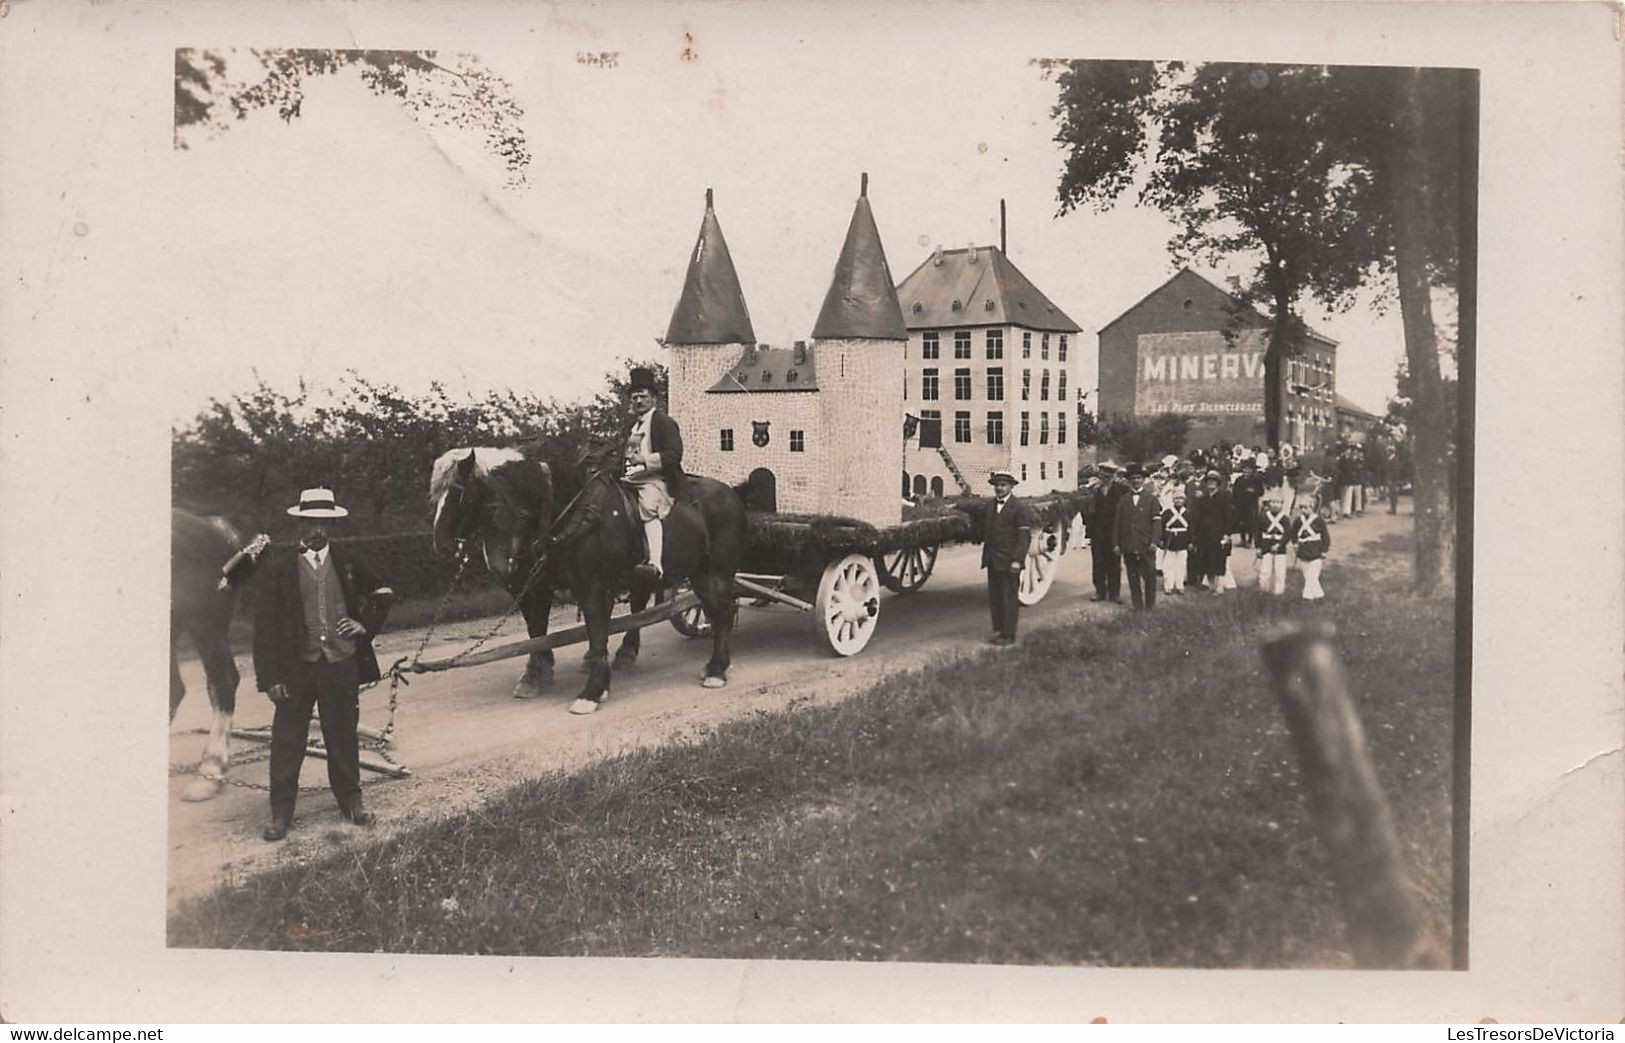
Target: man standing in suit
[1136,531]
[316,612]
[654,466]
[1008,532]
[1108,568]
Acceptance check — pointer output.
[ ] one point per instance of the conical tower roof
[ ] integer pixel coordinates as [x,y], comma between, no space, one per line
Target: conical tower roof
[862,300]
[712,308]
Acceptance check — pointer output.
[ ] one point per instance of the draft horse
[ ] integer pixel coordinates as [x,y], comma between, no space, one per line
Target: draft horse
[201,606]
[500,502]
[591,548]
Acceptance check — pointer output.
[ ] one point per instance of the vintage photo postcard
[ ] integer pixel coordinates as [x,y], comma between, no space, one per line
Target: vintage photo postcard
[901,511]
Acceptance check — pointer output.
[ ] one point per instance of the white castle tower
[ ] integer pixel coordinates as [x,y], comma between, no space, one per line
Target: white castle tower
[858,344]
[710,330]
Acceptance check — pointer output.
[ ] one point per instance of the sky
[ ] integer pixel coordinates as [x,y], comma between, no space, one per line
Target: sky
[357,238]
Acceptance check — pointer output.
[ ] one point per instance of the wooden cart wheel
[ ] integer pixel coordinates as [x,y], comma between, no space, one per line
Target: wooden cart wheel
[691,622]
[1043,562]
[905,571]
[847,606]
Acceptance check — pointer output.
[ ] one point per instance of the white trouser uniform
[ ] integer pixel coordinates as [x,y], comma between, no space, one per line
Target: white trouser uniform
[1173,570]
[1350,495]
[1272,573]
[654,501]
[1311,579]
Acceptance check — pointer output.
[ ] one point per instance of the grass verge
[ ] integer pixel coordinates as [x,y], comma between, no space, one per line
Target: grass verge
[1116,793]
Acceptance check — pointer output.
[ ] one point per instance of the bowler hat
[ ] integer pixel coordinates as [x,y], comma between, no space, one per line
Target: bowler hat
[1134,470]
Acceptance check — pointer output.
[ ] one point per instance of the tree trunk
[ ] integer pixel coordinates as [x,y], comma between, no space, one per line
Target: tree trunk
[1435,521]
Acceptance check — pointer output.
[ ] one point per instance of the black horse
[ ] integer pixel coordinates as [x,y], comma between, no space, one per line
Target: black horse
[501,502]
[201,606]
[591,549]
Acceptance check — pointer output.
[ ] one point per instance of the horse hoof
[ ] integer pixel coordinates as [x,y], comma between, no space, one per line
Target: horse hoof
[200,789]
[623,662]
[582,707]
[527,690]
[713,682]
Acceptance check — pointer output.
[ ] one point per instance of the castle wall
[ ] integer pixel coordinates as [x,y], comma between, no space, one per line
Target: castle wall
[706,416]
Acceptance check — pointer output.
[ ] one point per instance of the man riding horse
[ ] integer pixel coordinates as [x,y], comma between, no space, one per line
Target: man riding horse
[654,468]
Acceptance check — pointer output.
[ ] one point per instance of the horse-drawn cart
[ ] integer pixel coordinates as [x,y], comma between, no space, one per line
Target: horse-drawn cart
[834,569]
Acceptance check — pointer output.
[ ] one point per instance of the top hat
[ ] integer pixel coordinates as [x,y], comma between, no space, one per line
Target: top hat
[1134,470]
[317,503]
[1001,476]
[643,379]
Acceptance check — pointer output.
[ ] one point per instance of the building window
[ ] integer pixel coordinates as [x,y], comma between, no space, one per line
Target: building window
[929,348]
[798,441]
[1026,427]
[995,384]
[1043,469]
[995,428]
[995,344]
[1060,469]
[1060,429]
[961,344]
[1060,386]
[962,425]
[928,385]
[1043,386]
[930,428]
[1060,356]
[1024,472]
[962,385]
[919,485]
[1026,384]
[727,439]
[905,385]
[1043,429]
[1043,347]
[1026,345]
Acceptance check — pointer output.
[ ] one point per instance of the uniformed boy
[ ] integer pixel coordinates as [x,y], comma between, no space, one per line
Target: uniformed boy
[1271,537]
[1175,544]
[1313,540]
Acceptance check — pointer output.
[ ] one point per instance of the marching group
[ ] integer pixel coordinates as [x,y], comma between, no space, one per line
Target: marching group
[1174,524]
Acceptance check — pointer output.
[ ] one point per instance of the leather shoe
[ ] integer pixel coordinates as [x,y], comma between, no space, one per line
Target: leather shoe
[277,829]
[358,814]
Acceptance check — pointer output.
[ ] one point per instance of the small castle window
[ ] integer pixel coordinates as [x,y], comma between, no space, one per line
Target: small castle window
[767,376]
[962,425]
[958,304]
[1060,432]
[918,307]
[995,344]
[792,376]
[1024,472]
[995,428]
[1026,432]
[987,305]
[798,441]
[1026,345]
[1061,351]
[1186,304]
[961,344]
[727,439]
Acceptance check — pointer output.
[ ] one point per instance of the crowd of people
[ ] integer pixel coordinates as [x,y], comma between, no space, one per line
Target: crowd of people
[1173,524]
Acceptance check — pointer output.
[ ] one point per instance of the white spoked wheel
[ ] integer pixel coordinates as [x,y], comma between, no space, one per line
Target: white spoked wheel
[1043,562]
[848,604]
[905,571]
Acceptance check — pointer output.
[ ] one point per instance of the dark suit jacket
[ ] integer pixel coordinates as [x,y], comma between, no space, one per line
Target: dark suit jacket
[1008,535]
[1100,519]
[666,439]
[1137,529]
[279,616]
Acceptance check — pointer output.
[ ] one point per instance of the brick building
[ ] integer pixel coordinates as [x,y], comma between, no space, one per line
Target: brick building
[1168,354]
[991,370]
[814,427]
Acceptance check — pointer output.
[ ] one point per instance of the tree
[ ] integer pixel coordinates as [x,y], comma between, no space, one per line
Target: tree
[1330,179]
[450,91]
[1136,439]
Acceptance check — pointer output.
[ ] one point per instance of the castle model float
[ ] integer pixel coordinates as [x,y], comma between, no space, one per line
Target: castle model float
[818,428]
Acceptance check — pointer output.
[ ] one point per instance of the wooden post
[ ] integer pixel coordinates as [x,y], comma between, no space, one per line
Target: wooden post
[569,636]
[1350,812]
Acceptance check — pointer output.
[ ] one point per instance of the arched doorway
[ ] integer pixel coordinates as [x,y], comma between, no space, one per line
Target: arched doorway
[919,485]
[762,491]
[936,487]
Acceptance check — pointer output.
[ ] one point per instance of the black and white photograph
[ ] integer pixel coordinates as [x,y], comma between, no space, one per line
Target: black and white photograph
[840,488]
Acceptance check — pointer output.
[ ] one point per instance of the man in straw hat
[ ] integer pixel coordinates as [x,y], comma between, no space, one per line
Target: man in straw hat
[1007,536]
[654,465]
[316,612]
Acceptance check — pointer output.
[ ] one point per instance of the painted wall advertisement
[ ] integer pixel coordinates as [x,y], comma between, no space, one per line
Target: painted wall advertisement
[1200,373]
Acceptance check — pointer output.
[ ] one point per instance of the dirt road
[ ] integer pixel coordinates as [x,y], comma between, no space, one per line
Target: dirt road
[464,737]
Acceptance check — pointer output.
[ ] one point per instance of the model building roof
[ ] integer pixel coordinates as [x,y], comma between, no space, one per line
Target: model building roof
[862,301]
[764,369]
[712,307]
[977,286]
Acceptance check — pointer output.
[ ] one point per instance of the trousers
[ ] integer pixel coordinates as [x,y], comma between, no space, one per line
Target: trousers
[1173,570]
[1108,569]
[1311,579]
[1142,578]
[1272,573]
[1002,602]
[334,690]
